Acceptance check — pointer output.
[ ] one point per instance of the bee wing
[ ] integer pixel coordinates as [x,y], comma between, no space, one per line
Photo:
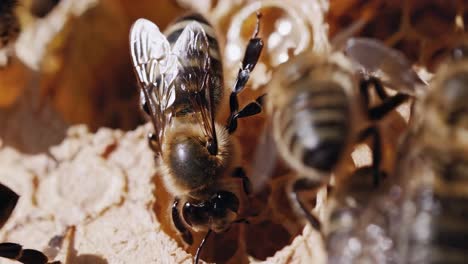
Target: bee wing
[265,157]
[156,69]
[193,52]
[390,65]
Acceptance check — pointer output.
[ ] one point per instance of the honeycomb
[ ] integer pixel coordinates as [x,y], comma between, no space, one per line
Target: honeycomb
[71,65]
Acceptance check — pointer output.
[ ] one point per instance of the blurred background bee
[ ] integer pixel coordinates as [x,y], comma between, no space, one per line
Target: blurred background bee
[433,170]
[350,232]
[321,105]
[181,89]
[13,251]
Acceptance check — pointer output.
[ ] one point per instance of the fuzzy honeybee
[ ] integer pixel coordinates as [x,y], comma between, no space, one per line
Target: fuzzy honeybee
[319,108]
[13,251]
[433,169]
[352,214]
[181,89]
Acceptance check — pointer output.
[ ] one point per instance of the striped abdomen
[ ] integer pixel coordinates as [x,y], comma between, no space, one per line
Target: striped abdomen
[192,71]
[314,125]
[440,227]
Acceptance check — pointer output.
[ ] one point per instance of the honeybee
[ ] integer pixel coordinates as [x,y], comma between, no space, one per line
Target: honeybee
[433,169]
[13,251]
[181,88]
[320,107]
[355,222]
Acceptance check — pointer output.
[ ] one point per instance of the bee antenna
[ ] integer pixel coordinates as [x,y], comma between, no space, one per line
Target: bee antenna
[200,247]
[257,25]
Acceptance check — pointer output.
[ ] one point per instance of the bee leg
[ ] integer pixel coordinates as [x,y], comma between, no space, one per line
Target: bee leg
[376,152]
[10,250]
[389,103]
[251,56]
[304,184]
[31,256]
[239,172]
[250,109]
[26,256]
[179,225]
[367,83]
[8,200]
[200,247]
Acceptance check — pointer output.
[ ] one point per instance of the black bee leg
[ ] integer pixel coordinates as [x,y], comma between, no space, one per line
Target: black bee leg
[8,200]
[246,184]
[303,184]
[250,109]
[31,256]
[389,103]
[26,256]
[10,250]
[200,247]
[376,152]
[179,225]
[365,86]
[251,56]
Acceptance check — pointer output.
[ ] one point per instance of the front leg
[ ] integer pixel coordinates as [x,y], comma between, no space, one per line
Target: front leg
[305,184]
[251,57]
[239,173]
[374,133]
[27,256]
[389,103]
[178,223]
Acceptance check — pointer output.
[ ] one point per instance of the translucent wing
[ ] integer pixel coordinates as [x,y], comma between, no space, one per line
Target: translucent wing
[156,69]
[193,51]
[390,65]
[265,159]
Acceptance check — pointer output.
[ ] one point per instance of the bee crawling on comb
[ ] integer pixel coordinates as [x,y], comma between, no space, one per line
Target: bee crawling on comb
[181,89]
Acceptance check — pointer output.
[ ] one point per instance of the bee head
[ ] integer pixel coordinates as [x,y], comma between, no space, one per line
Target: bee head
[217,213]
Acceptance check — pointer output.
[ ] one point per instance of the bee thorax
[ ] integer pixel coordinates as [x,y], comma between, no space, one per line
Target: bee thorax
[188,159]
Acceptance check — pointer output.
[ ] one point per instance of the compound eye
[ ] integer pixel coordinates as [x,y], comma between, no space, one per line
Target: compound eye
[196,214]
[222,201]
